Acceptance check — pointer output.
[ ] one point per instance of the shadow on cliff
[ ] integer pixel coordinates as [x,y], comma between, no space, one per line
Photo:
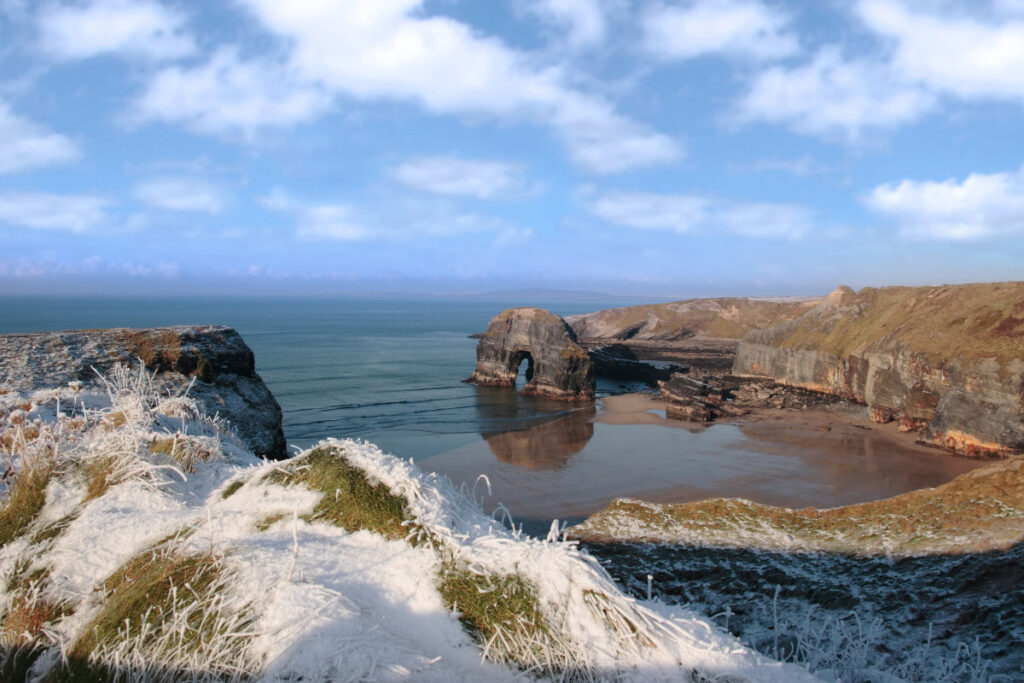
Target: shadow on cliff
[959,600]
[531,431]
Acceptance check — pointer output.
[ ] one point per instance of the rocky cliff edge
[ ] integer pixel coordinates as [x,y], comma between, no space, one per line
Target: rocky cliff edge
[946,361]
[215,360]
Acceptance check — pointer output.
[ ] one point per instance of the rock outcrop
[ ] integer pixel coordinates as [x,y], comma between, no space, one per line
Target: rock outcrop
[947,361]
[215,360]
[688,398]
[619,362]
[557,366]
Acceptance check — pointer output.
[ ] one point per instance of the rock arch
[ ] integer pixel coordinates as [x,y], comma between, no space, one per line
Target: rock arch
[558,366]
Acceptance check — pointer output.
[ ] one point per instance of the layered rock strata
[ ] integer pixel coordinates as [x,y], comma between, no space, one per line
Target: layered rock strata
[557,366]
[688,398]
[945,361]
[212,362]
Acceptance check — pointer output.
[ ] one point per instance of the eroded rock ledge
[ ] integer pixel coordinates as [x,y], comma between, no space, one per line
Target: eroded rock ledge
[945,361]
[557,366]
[216,358]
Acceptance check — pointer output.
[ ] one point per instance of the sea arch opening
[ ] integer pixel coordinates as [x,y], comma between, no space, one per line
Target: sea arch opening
[521,366]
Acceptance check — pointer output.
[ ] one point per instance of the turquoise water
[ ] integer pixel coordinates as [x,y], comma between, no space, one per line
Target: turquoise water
[383,370]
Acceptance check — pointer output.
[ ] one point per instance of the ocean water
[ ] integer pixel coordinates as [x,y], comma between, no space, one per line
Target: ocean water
[384,370]
[389,371]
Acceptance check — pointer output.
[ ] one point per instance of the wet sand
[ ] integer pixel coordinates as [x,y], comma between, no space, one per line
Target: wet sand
[575,465]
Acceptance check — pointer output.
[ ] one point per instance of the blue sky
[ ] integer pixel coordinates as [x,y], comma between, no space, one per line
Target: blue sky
[705,147]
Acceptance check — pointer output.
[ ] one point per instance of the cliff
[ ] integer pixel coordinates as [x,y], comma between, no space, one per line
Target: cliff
[947,361]
[557,366]
[214,360]
[724,318]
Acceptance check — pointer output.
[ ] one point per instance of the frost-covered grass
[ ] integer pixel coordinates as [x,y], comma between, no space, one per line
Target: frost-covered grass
[978,511]
[158,548]
[937,618]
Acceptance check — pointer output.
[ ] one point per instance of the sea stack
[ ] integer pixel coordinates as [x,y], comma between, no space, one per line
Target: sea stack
[557,366]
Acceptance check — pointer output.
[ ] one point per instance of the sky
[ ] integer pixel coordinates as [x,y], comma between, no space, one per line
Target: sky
[636,147]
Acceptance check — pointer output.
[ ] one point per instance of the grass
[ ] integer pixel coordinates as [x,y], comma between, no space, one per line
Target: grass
[727,318]
[161,608]
[501,612]
[349,499]
[100,475]
[54,529]
[972,322]
[25,498]
[270,520]
[978,511]
[231,489]
[183,450]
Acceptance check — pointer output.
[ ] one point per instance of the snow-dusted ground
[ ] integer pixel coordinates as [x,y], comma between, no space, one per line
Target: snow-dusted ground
[325,603]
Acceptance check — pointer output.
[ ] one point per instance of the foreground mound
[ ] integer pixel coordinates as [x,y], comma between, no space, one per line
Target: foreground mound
[980,511]
[140,541]
[948,361]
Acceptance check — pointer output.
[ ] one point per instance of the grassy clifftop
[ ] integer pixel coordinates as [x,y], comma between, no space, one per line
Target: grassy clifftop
[972,322]
[725,318]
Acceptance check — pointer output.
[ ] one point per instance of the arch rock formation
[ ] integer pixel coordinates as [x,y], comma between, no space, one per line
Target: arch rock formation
[557,366]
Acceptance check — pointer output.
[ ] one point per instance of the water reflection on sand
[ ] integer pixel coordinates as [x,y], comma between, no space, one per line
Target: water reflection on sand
[571,463]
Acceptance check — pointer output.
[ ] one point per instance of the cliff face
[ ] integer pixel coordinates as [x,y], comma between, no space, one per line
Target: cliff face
[946,361]
[557,367]
[725,318]
[216,358]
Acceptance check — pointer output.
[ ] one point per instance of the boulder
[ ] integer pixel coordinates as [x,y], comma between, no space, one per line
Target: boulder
[213,360]
[557,366]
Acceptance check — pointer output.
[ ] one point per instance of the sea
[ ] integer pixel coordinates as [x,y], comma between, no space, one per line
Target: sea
[390,371]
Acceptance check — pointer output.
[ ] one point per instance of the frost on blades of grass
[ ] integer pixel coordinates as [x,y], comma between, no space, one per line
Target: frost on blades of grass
[164,617]
[341,563]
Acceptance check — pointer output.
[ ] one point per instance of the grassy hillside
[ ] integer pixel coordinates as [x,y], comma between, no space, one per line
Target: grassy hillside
[728,318]
[971,321]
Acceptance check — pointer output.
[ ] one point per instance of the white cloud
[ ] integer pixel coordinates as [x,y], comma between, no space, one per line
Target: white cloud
[687,213]
[180,194]
[953,54]
[584,19]
[386,49]
[143,28]
[330,222]
[227,94]
[738,28]
[453,176]
[983,205]
[43,211]
[833,95]
[27,145]
[399,221]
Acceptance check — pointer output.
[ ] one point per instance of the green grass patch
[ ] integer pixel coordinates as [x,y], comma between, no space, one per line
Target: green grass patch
[270,520]
[159,598]
[25,499]
[232,489]
[349,499]
[492,605]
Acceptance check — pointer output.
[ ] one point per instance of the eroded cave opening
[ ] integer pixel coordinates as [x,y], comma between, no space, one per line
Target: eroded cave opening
[517,361]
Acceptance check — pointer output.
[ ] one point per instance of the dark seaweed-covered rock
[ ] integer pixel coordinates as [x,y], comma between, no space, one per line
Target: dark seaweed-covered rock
[215,360]
[557,366]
